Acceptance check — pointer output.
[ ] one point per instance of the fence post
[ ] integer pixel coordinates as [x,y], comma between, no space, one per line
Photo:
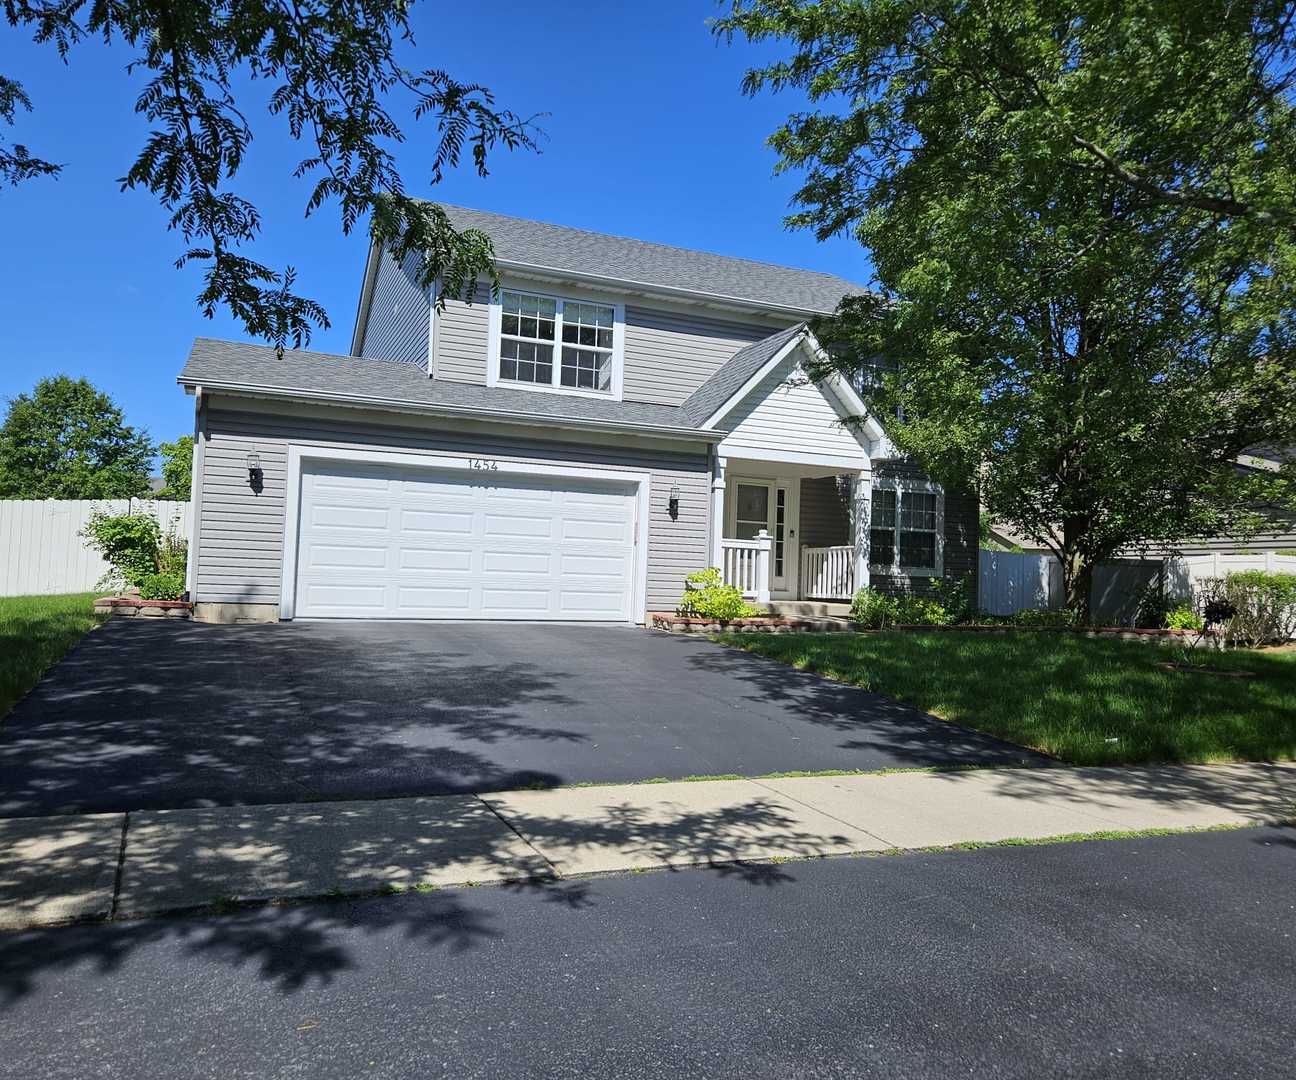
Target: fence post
[763,566]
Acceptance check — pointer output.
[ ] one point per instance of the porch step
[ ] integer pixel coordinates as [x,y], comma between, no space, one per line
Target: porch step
[809,609]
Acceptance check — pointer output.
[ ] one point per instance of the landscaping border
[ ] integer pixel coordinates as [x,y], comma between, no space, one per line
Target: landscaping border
[134,606]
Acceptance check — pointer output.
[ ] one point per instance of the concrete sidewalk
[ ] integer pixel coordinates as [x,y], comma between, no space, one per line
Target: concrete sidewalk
[66,868]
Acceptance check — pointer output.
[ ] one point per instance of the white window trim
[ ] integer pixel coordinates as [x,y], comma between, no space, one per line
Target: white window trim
[901,485]
[618,344]
[298,455]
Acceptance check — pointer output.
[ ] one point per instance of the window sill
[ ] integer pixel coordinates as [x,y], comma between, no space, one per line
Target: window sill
[549,388]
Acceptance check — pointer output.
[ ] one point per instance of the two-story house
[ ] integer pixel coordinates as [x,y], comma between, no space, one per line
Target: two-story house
[618,415]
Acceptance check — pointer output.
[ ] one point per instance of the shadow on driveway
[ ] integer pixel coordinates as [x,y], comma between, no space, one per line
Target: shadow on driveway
[162,715]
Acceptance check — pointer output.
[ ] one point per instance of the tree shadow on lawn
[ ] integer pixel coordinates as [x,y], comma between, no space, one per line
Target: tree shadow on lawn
[364,847]
[902,734]
[1089,702]
[151,715]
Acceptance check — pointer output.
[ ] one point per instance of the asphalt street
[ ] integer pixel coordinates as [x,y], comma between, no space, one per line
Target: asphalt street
[1167,957]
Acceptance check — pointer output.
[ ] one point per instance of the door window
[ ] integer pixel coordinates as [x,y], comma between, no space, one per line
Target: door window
[752,510]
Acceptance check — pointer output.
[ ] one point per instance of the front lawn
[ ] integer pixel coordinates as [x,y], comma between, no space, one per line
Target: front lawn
[1084,700]
[36,632]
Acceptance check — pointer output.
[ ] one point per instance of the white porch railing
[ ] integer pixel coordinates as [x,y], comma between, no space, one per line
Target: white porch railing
[828,573]
[746,565]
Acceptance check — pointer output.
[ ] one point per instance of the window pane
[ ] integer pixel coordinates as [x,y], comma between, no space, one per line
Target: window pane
[753,504]
[918,510]
[918,549]
[586,370]
[881,547]
[884,505]
[588,324]
[528,316]
[523,361]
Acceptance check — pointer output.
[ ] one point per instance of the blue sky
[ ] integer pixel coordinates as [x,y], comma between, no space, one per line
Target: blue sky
[647,135]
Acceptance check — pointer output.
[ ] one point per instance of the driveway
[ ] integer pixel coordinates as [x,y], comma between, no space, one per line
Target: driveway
[160,715]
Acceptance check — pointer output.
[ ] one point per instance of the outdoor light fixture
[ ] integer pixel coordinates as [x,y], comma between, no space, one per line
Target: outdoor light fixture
[254,467]
[674,499]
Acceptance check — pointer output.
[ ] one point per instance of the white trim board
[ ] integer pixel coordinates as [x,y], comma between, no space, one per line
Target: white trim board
[298,455]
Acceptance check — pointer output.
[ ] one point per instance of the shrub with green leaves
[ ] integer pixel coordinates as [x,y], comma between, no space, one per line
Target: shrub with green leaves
[1183,617]
[162,586]
[1261,606]
[957,595]
[708,597]
[877,610]
[1041,618]
[136,548]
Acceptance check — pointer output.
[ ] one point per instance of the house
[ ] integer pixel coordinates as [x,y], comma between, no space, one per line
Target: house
[618,415]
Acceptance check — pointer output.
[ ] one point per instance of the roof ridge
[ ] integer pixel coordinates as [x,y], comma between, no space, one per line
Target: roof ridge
[651,243]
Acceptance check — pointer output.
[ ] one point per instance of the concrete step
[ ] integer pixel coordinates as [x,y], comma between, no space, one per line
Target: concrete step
[809,609]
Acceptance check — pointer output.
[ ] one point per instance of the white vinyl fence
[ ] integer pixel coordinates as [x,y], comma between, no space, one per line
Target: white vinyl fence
[1183,573]
[1012,581]
[41,551]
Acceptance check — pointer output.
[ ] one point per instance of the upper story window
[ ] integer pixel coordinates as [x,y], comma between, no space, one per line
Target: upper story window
[551,343]
[906,525]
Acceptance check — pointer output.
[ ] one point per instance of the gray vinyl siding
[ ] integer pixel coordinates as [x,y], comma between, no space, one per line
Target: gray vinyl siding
[462,334]
[669,354]
[397,328]
[825,512]
[240,548]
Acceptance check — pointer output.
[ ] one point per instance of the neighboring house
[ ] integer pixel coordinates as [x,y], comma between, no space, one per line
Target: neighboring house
[619,415]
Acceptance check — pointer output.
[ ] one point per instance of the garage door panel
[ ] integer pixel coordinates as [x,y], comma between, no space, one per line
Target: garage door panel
[401,542]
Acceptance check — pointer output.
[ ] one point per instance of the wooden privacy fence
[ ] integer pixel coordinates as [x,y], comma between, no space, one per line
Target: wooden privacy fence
[42,552]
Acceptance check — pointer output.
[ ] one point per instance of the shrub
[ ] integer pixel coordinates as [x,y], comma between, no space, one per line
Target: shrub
[1253,607]
[708,597]
[129,542]
[956,596]
[1043,617]
[1183,617]
[162,586]
[136,548]
[877,610]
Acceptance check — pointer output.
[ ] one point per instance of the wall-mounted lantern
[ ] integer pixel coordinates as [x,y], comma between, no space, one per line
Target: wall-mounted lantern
[254,468]
[674,500]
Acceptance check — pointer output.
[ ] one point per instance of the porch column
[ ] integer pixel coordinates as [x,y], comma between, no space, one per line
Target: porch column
[717,509]
[861,508]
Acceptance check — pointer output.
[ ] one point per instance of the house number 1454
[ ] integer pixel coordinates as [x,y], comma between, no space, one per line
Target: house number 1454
[480,463]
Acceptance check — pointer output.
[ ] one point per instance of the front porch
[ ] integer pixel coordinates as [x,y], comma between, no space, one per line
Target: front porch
[791,533]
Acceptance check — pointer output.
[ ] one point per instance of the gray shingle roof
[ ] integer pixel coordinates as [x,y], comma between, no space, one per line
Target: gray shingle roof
[257,368]
[535,243]
[734,373]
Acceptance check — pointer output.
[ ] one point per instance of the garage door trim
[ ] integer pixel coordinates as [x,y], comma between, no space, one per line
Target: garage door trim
[298,456]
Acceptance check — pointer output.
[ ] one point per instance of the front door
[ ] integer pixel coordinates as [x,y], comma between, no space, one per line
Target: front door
[765,504]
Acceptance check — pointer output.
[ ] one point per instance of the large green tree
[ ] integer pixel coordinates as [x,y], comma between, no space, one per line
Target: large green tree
[1082,221]
[177,468]
[67,440]
[331,70]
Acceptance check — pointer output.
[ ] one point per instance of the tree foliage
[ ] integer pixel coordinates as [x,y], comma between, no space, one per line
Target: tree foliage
[1081,220]
[331,68]
[67,440]
[177,468]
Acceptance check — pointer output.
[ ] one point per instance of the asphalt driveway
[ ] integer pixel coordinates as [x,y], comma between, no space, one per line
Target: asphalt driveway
[160,715]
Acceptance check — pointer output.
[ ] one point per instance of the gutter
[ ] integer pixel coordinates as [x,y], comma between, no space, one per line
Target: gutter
[284,393]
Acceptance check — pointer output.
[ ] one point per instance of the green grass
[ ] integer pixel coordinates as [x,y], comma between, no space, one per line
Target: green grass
[1086,701]
[36,632]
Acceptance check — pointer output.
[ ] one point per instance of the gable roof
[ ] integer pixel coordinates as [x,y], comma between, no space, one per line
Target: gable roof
[258,370]
[735,373]
[523,244]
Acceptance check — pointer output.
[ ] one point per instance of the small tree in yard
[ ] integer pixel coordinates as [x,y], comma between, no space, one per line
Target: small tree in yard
[177,468]
[67,440]
[1083,221]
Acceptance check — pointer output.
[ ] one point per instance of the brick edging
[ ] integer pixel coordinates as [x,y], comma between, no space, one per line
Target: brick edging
[127,606]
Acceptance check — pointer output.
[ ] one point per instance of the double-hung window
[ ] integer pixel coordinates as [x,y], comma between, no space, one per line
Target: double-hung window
[550,343]
[905,523]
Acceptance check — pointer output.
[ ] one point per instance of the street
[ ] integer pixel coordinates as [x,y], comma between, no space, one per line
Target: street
[1164,956]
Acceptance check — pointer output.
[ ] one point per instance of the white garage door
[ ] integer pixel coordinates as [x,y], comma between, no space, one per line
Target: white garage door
[394,542]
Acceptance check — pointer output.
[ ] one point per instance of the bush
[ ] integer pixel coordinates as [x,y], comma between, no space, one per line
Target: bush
[136,548]
[1254,607]
[1040,618]
[708,597]
[1183,617]
[877,610]
[956,596]
[162,586]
